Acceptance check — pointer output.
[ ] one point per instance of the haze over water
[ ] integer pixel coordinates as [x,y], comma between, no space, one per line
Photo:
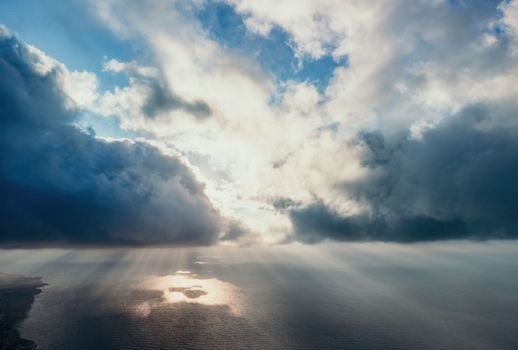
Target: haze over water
[350,296]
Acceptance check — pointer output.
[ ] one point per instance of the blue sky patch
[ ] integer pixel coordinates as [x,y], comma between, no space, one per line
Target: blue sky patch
[80,41]
[274,53]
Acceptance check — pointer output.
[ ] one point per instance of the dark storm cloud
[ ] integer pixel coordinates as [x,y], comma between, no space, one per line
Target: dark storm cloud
[161,99]
[458,181]
[60,185]
[318,222]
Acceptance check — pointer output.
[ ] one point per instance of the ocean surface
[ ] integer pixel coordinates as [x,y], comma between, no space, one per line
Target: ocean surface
[455,295]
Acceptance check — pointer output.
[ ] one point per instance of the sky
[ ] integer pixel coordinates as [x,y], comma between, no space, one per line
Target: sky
[244,122]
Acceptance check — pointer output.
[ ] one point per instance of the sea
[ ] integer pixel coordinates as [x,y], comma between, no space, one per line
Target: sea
[444,295]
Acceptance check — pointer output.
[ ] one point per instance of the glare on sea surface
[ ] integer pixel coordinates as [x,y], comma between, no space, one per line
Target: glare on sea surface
[188,287]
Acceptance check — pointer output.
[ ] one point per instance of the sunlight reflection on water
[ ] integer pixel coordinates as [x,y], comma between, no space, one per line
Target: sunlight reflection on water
[185,286]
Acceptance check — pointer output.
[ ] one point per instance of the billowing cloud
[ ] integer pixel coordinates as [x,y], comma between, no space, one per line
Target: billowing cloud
[62,185]
[457,181]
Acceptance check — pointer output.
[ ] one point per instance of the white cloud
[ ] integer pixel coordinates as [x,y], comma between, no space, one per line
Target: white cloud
[432,52]
[80,86]
[510,10]
[510,22]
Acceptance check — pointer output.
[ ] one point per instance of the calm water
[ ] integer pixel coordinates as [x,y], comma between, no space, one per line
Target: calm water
[351,296]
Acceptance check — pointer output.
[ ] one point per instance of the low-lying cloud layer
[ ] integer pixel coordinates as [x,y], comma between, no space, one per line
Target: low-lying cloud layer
[62,185]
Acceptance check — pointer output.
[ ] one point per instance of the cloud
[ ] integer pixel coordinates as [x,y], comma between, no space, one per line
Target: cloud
[510,16]
[62,185]
[457,181]
[402,67]
[161,100]
[158,97]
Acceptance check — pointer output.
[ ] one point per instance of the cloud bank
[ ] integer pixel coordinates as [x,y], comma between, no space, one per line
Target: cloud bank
[457,181]
[62,185]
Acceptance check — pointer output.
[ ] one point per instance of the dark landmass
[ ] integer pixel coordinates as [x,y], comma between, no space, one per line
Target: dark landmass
[16,298]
